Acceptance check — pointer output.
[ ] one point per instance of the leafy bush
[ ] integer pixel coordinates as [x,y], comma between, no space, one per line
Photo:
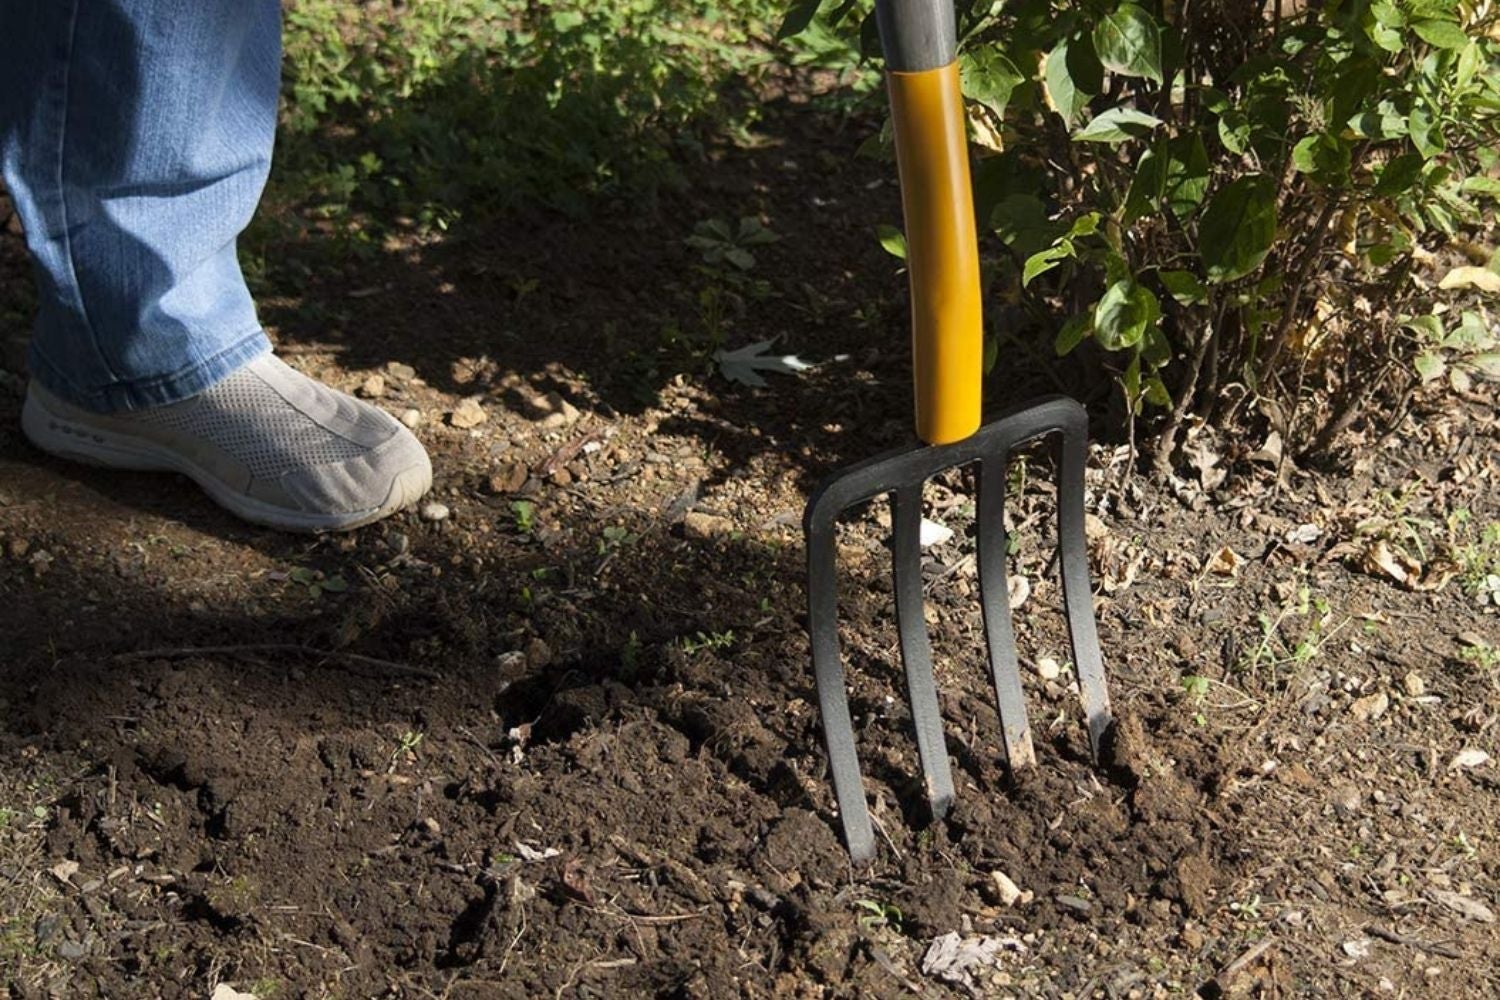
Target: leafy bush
[431,107]
[1227,204]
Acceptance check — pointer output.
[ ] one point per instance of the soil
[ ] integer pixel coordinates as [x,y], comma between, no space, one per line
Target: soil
[564,741]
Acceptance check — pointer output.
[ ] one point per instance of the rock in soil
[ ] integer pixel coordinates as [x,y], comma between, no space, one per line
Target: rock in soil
[468,414]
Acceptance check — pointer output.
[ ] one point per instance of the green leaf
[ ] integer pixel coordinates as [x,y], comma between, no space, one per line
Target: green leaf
[1184,287]
[1045,260]
[1481,186]
[893,240]
[991,353]
[1123,313]
[335,584]
[1487,364]
[1234,131]
[1238,227]
[1430,366]
[1020,220]
[1072,334]
[1156,392]
[1187,175]
[1072,76]
[1324,157]
[988,77]
[1441,34]
[1117,125]
[1128,42]
[1426,134]
[798,18]
[1470,61]
[1427,325]
[1148,186]
[1399,174]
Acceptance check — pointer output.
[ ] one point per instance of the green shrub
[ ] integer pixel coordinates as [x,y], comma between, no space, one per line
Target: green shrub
[430,108]
[1236,204]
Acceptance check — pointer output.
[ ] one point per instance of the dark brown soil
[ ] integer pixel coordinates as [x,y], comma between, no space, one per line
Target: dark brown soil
[575,752]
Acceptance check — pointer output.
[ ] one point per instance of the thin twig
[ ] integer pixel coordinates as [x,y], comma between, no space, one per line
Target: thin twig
[250,649]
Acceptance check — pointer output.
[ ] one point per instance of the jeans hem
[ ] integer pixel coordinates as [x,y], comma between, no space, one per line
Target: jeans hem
[158,390]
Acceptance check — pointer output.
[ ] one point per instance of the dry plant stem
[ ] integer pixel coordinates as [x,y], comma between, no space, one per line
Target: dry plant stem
[1166,442]
[1303,272]
[389,666]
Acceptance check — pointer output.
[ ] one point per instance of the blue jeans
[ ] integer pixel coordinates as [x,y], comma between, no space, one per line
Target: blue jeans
[135,138]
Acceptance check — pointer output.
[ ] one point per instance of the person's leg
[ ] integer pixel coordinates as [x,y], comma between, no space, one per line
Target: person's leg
[136,136]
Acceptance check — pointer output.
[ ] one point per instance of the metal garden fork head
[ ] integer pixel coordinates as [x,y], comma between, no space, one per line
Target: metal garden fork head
[943,262]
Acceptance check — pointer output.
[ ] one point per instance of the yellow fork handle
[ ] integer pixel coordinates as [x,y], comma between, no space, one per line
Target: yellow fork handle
[942,255]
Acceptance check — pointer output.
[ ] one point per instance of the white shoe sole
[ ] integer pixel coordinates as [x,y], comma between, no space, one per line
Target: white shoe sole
[79,442]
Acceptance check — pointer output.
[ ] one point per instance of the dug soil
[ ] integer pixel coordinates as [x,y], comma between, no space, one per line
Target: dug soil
[556,735]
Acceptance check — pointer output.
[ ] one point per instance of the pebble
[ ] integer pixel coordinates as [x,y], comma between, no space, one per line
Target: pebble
[1048,668]
[411,418]
[373,387]
[72,951]
[1348,799]
[400,370]
[550,410]
[538,653]
[434,511]
[1414,684]
[468,414]
[1370,707]
[701,527]
[508,477]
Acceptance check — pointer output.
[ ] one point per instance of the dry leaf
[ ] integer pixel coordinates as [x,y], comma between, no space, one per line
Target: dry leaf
[1380,559]
[1018,589]
[1470,757]
[957,960]
[1225,562]
[1466,906]
[1469,276]
[64,871]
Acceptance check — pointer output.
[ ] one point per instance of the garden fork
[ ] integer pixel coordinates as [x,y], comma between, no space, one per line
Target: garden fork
[922,78]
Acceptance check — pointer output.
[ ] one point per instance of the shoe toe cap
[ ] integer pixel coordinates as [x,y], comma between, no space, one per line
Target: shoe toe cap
[382,479]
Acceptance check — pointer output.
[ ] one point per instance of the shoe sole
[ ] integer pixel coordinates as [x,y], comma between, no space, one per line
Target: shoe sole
[89,445]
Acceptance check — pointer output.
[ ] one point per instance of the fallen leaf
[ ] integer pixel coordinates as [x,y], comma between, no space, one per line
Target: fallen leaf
[1470,757]
[1380,559]
[1304,534]
[957,959]
[529,853]
[1270,452]
[1225,562]
[1466,906]
[1357,948]
[744,365]
[1017,589]
[226,992]
[1469,276]
[64,871]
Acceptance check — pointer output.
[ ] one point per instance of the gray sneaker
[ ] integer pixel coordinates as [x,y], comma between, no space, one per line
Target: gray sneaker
[268,443]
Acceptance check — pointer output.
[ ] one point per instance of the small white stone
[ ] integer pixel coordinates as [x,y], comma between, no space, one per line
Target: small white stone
[1048,668]
[434,511]
[933,533]
[411,418]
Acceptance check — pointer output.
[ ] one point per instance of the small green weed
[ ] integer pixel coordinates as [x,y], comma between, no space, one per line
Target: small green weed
[707,640]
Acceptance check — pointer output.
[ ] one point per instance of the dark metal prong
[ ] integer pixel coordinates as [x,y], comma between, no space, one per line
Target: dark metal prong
[828,667]
[1078,597]
[916,648]
[999,631]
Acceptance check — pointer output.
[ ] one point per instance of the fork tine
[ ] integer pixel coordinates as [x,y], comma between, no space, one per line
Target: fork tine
[916,650]
[1078,598]
[999,631]
[828,668]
